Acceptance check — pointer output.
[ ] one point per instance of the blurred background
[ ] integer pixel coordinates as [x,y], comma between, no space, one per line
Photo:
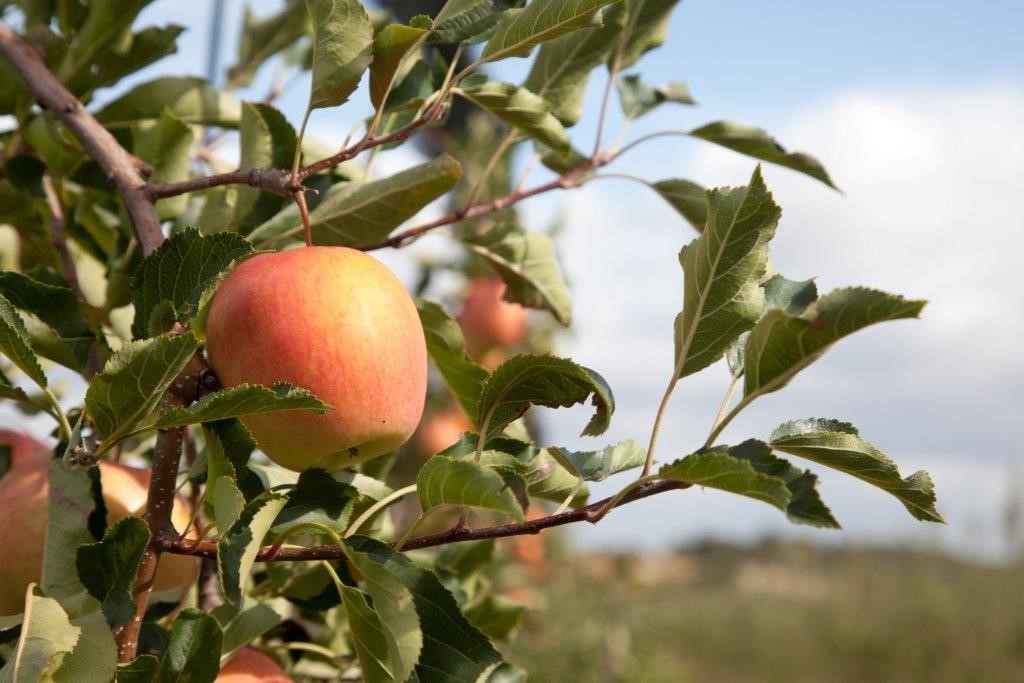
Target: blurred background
[914,108]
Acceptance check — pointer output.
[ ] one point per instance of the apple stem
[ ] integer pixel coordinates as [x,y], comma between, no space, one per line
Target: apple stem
[300,199]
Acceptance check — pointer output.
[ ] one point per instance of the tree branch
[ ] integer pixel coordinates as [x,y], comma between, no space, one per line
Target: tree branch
[591,513]
[120,166]
[269,179]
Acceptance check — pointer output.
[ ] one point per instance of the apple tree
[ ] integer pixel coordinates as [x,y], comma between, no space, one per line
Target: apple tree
[250,373]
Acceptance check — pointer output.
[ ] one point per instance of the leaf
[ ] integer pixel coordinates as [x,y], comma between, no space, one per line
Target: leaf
[562,67]
[132,384]
[142,669]
[462,20]
[252,622]
[496,616]
[453,649]
[144,47]
[719,470]
[47,636]
[192,100]
[266,140]
[8,390]
[805,505]
[447,349]
[444,480]
[392,45]
[237,548]
[108,568]
[318,498]
[638,98]
[25,173]
[789,295]
[164,144]
[838,445]
[15,345]
[526,380]
[342,49]
[721,271]
[523,110]
[368,636]
[68,526]
[646,27]
[244,399]
[362,214]
[518,31]
[228,502]
[396,609]
[105,27]
[756,143]
[599,465]
[95,651]
[688,198]
[781,345]
[180,270]
[528,263]
[193,653]
[261,39]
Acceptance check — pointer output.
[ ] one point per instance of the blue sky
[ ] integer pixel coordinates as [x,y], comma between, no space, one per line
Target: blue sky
[915,109]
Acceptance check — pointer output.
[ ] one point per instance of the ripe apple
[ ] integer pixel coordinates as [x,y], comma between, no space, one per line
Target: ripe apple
[489,322]
[334,321]
[24,491]
[439,430]
[249,665]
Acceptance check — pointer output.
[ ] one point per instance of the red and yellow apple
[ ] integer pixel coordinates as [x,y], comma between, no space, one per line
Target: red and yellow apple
[334,321]
[439,430]
[249,665]
[24,493]
[489,323]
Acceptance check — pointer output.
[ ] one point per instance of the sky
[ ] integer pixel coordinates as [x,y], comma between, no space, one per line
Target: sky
[914,108]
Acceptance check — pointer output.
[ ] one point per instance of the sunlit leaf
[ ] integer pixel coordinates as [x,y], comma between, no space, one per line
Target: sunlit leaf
[342,49]
[527,112]
[447,349]
[639,98]
[445,480]
[518,31]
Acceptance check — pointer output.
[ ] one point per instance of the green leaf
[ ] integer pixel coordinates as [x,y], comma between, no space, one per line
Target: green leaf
[192,100]
[453,649]
[252,622]
[47,637]
[518,31]
[523,110]
[721,271]
[133,383]
[244,399]
[646,27]
[68,526]
[638,98]
[266,140]
[447,349]
[193,653]
[228,502]
[95,651]
[8,390]
[781,345]
[25,173]
[368,636]
[142,669]
[688,198]
[15,345]
[106,27]
[496,616]
[719,470]
[396,609]
[58,317]
[138,50]
[164,143]
[756,143]
[444,480]
[342,49]
[318,498]
[562,67]
[180,270]
[526,380]
[464,20]
[392,45]
[237,548]
[261,39]
[805,505]
[838,445]
[528,263]
[108,568]
[362,214]
[599,465]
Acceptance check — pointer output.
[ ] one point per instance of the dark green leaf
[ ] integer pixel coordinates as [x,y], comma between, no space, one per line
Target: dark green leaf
[757,143]
[638,98]
[523,110]
[133,383]
[25,173]
[266,140]
[252,622]
[496,616]
[15,345]
[838,445]
[244,399]
[789,295]
[368,636]
[525,380]
[528,263]
[318,498]
[108,568]
[518,31]
[237,548]
[447,349]
[391,46]
[194,651]
[719,470]
[688,198]
[599,465]
[645,28]
[464,20]
[445,480]
[721,272]
[143,669]
[342,49]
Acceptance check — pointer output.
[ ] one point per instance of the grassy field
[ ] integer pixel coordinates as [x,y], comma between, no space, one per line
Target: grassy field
[776,612]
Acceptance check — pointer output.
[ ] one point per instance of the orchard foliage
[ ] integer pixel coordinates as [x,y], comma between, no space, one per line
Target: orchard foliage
[118,222]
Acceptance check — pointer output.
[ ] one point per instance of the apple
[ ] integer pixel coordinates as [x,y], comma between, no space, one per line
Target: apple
[24,493]
[489,322]
[334,321]
[439,430]
[249,665]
